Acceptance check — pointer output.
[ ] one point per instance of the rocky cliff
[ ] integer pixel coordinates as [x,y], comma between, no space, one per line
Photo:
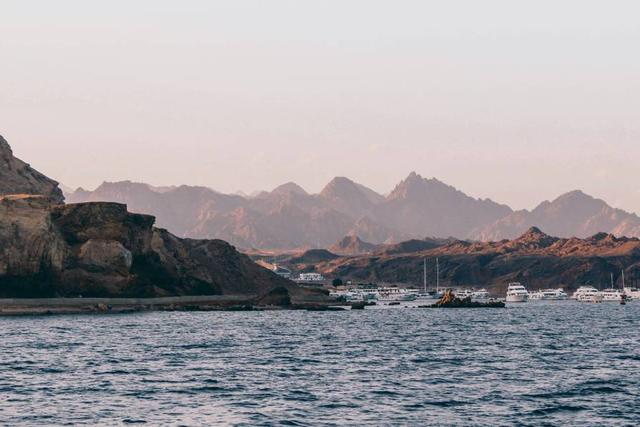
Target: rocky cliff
[100,249]
[17,177]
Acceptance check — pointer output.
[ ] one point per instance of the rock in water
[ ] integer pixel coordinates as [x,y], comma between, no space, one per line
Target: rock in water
[449,300]
[17,177]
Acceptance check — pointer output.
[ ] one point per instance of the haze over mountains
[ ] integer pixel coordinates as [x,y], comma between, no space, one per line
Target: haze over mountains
[290,218]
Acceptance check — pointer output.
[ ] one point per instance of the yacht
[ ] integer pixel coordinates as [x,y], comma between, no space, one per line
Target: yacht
[587,294]
[549,295]
[396,294]
[632,293]
[463,293]
[481,295]
[611,295]
[517,293]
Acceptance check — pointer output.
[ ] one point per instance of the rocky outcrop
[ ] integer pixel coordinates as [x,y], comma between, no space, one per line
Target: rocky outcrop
[450,300]
[17,177]
[102,250]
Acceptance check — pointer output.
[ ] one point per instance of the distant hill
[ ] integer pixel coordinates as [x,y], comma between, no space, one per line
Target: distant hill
[574,214]
[352,245]
[534,258]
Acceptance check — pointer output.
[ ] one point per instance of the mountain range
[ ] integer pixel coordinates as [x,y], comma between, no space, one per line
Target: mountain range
[288,217]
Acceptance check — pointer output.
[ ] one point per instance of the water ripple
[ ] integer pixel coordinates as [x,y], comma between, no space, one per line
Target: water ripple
[537,364]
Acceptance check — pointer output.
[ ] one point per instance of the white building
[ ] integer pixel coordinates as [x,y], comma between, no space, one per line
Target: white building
[311,277]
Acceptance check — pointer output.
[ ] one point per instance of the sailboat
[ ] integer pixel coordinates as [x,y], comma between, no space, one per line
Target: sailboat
[611,294]
[438,294]
[630,293]
[426,295]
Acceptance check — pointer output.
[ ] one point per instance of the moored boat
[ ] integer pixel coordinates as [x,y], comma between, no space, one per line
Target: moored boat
[517,293]
[549,295]
[587,294]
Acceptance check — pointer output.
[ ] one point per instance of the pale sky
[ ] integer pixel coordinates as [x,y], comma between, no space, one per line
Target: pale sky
[514,100]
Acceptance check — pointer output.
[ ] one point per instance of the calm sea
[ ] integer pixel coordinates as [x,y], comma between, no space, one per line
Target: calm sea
[535,364]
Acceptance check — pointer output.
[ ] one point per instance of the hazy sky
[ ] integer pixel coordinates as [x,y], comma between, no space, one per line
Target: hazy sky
[514,100]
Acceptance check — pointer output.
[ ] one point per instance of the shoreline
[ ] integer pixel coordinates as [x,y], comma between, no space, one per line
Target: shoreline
[51,306]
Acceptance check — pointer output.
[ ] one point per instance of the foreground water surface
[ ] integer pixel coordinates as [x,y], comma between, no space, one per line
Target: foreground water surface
[534,364]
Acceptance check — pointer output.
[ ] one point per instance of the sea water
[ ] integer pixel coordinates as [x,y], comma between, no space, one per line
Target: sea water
[533,364]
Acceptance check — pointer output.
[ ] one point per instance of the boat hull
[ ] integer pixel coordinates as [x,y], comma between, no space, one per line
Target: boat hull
[517,298]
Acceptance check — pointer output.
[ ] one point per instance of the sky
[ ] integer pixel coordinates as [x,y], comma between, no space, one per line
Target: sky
[518,101]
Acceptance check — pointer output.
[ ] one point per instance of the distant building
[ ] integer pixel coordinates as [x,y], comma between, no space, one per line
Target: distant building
[281,271]
[311,277]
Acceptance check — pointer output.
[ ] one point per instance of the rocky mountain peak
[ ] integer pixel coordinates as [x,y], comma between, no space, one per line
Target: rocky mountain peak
[534,237]
[17,177]
[352,245]
[290,188]
[5,148]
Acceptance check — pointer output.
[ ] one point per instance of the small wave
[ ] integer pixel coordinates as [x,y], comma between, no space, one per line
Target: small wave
[557,408]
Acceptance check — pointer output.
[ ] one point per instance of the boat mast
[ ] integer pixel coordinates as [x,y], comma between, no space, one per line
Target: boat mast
[611,280]
[424,275]
[437,275]
[623,279]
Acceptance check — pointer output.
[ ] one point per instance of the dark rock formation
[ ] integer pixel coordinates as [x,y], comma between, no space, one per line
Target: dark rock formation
[450,300]
[17,177]
[100,249]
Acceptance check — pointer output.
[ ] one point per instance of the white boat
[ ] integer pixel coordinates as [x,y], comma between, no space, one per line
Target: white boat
[374,294]
[630,293]
[549,295]
[611,295]
[426,295]
[393,294]
[480,295]
[463,293]
[587,294]
[517,293]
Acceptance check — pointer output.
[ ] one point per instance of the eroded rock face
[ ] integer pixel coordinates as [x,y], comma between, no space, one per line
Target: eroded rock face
[29,241]
[82,222]
[17,177]
[105,256]
[100,249]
